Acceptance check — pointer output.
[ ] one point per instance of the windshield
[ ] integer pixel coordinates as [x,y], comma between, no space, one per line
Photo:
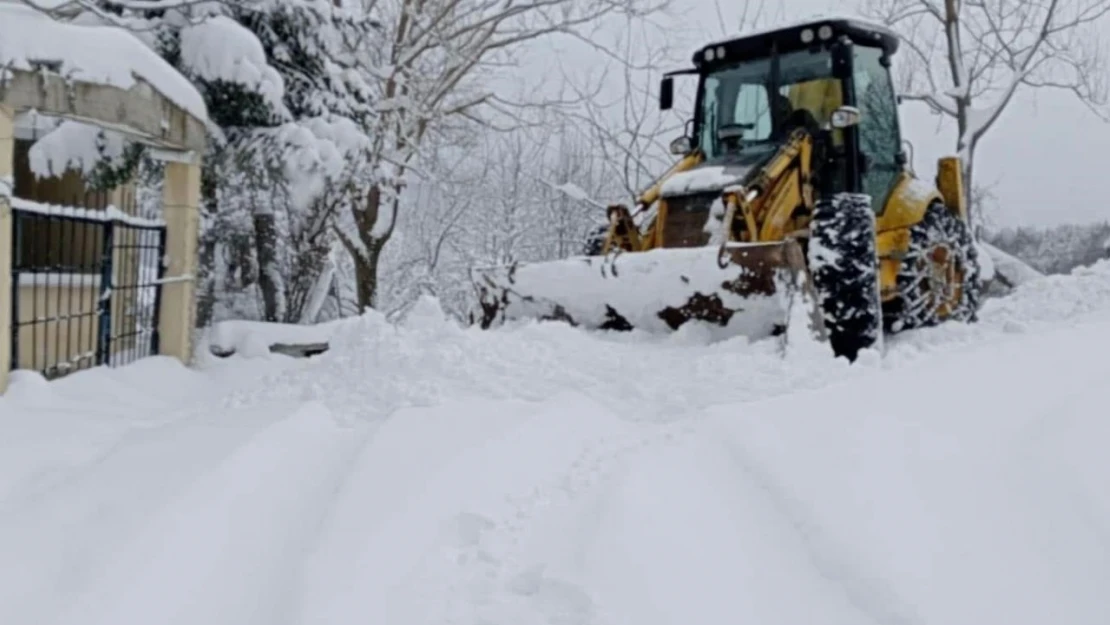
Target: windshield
[739,113]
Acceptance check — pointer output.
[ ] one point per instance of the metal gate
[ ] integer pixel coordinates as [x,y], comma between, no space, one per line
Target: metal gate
[86,288]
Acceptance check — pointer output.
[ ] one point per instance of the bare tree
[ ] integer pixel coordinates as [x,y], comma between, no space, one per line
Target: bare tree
[969,58]
[431,70]
[619,110]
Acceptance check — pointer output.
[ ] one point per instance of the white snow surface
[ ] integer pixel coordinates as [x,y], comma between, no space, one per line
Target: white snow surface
[698,180]
[219,48]
[251,339]
[637,286]
[1013,268]
[105,55]
[421,473]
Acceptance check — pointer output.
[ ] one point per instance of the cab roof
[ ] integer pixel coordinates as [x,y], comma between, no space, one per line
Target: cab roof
[789,37]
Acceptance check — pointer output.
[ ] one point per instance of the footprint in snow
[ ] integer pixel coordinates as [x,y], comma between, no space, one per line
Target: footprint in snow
[467,529]
[561,603]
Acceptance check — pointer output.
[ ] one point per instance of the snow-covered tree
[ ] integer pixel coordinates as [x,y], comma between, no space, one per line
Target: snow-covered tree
[967,59]
[289,111]
[1058,249]
[431,74]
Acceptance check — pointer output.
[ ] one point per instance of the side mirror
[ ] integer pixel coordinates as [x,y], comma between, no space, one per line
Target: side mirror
[844,117]
[681,146]
[666,93]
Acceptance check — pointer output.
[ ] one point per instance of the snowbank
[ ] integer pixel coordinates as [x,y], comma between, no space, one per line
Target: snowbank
[253,339]
[1012,269]
[102,55]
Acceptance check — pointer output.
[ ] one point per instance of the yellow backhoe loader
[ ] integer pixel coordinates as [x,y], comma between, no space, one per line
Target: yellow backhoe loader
[792,188]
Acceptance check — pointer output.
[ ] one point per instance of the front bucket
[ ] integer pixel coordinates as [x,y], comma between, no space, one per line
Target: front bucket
[742,288]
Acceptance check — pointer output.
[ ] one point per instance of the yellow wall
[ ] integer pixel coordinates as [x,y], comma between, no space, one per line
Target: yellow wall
[50,343]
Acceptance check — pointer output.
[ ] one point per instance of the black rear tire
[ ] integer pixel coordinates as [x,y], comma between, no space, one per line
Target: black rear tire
[844,266]
[941,234]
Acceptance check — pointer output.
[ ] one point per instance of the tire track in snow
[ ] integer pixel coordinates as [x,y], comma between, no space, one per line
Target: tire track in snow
[248,521]
[868,593]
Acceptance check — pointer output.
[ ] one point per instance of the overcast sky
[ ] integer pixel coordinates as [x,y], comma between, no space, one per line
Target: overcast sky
[1045,158]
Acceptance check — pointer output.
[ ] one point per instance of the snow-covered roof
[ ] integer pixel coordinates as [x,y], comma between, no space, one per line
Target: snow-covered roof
[104,55]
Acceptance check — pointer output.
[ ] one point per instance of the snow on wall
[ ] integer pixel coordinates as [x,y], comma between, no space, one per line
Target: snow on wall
[77,146]
[104,55]
[111,213]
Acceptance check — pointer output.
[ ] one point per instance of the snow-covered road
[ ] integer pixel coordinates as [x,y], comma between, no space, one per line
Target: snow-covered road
[422,474]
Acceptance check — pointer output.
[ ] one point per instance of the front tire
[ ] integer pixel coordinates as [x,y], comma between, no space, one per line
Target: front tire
[844,268]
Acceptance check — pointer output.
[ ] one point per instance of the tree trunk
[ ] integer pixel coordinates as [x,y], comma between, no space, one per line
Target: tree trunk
[206,260]
[969,167]
[366,277]
[314,299]
[366,264]
[269,271]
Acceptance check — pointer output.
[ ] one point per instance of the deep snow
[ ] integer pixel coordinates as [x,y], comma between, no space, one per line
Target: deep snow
[421,473]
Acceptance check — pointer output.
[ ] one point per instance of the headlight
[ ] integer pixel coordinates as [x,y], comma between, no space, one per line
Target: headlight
[720,52]
[807,35]
[709,54]
[825,32]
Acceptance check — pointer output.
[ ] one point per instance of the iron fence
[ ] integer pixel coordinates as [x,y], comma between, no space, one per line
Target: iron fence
[86,288]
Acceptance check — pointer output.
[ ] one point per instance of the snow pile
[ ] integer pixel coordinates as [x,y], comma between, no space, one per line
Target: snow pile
[1057,297]
[1013,269]
[252,339]
[987,271]
[375,367]
[637,286]
[29,38]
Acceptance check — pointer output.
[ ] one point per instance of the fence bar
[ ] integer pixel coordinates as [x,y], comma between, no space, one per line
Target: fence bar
[159,260]
[104,301]
[17,252]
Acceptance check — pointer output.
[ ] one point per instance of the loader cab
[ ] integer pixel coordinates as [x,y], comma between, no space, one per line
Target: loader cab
[832,76]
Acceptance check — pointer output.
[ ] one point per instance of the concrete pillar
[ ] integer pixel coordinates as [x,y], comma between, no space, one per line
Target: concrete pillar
[7,181]
[180,200]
